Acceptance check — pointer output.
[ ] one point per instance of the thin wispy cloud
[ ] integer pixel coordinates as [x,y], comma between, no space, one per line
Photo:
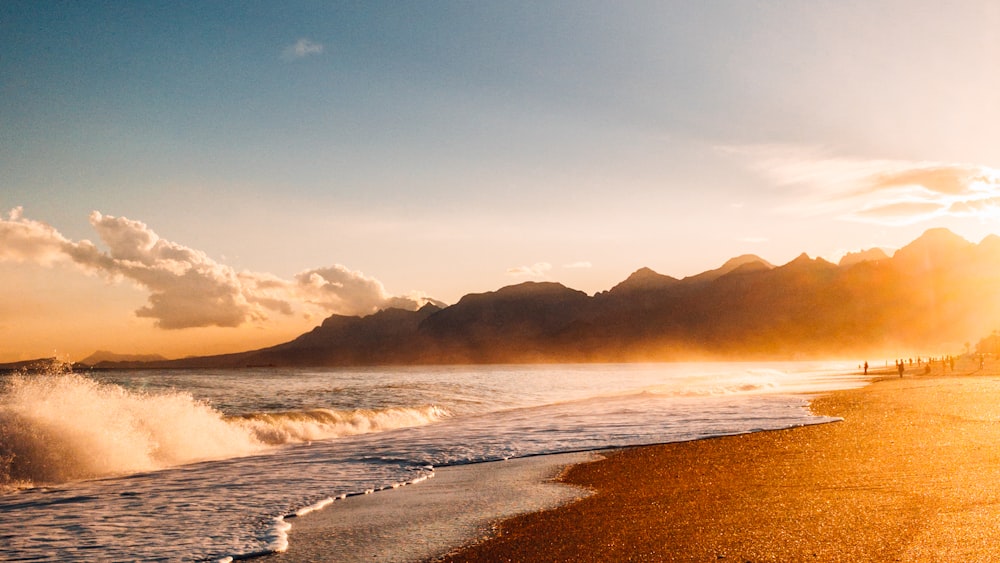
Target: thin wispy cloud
[537,270]
[186,287]
[886,192]
[301,49]
[578,265]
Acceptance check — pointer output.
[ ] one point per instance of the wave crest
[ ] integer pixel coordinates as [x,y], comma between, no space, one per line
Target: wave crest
[64,426]
[319,424]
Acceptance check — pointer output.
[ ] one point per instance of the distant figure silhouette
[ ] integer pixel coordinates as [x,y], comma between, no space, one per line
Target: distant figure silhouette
[900,367]
[866,368]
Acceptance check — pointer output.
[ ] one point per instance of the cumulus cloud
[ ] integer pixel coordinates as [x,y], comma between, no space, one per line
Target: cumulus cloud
[301,49]
[186,287]
[538,270]
[338,288]
[890,192]
[24,240]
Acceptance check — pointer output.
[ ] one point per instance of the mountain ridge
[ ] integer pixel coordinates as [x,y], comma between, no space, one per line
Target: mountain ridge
[938,291]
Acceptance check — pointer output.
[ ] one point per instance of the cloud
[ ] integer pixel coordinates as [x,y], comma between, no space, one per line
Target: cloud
[578,265]
[24,240]
[888,192]
[186,287]
[955,179]
[900,212]
[537,270]
[301,49]
[349,292]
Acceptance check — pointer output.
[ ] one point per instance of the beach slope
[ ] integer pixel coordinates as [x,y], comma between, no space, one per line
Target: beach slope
[912,473]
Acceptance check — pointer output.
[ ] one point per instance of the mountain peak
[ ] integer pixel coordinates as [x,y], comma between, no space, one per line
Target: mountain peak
[644,279]
[870,255]
[936,246]
[742,260]
[801,259]
[530,288]
[743,263]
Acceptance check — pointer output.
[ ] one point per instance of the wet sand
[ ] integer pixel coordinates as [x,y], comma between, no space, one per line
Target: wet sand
[418,522]
[912,473]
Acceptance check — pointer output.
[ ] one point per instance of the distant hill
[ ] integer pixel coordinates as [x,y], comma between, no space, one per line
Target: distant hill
[36,365]
[105,356]
[932,295]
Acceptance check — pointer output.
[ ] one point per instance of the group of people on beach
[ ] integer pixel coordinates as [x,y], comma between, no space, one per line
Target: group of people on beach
[947,362]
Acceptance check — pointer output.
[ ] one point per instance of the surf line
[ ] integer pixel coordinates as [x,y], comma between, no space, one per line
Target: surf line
[277,537]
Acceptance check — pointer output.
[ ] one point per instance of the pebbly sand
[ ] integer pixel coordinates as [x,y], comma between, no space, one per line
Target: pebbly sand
[912,473]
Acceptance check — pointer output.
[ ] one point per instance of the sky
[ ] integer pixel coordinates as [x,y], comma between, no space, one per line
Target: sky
[205,177]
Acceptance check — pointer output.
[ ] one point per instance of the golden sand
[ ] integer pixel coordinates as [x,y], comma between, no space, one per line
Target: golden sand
[912,473]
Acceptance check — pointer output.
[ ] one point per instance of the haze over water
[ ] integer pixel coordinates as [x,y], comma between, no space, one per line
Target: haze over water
[193,465]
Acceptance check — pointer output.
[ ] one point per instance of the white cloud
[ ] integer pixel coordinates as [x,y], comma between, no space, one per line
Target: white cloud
[24,240]
[537,270]
[578,265]
[189,289]
[348,292]
[301,49]
[888,192]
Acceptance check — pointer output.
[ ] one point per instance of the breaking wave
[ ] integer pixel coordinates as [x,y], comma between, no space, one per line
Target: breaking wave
[62,427]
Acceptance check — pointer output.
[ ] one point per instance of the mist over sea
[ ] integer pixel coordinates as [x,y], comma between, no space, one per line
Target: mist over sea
[207,465]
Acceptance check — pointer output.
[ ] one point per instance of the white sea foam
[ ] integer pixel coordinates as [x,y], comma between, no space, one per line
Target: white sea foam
[315,506]
[61,427]
[239,507]
[318,424]
[276,538]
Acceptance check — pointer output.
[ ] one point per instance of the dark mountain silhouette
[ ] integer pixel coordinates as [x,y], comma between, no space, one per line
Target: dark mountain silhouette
[932,296]
[105,356]
[870,255]
[645,279]
[747,262]
[36,365]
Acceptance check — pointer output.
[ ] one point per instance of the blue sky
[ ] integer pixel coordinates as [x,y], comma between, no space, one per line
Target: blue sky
[440,148]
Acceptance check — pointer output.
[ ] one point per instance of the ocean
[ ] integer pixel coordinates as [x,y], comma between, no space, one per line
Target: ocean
[193,465]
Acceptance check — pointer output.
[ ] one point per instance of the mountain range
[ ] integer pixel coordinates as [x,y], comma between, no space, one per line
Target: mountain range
[932,296]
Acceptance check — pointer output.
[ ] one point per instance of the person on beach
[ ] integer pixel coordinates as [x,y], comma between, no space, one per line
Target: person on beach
[866,367]
[900,367]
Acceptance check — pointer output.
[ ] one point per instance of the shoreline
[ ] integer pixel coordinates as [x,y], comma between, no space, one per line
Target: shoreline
[909,474]
[460,504]
[856,489]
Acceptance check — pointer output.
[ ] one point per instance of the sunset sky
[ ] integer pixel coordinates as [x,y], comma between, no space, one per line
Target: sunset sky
[192,178]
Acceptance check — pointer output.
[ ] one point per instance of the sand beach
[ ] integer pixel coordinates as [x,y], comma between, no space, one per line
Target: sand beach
[910,474]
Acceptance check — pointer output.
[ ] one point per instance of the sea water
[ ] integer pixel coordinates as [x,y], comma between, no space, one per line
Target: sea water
[208,465]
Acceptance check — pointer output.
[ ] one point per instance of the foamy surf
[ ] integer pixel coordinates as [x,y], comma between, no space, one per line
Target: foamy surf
[238,507]
[320,424]
[63,427]
[276,538]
